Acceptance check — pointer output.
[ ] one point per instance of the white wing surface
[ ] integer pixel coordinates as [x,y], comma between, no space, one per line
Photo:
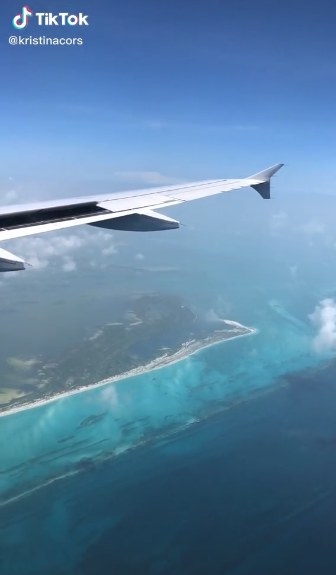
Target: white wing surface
[132,211]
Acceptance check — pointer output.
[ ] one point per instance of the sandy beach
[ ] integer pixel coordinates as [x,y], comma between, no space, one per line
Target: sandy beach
[189,348]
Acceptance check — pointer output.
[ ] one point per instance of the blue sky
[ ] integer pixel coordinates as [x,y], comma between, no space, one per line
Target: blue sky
[163,91]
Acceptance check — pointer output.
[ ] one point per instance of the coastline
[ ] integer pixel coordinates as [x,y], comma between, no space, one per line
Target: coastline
[187,349]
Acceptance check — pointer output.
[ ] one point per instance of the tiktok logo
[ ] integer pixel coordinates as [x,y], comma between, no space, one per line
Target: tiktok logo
[21,20]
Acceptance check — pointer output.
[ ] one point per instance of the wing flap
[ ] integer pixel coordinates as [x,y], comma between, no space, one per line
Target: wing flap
[139,221]
[131,203]
[10,262]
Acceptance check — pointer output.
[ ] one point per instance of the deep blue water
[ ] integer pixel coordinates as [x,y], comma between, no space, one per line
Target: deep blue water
[251,492]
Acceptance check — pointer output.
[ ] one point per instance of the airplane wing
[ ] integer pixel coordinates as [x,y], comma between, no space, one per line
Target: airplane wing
[132,211]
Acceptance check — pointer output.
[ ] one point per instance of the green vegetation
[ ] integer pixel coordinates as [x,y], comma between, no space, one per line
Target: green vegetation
[149,327]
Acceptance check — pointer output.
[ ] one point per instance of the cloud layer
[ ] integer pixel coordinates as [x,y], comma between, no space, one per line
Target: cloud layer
[324,319]
[150,178]
[64,250]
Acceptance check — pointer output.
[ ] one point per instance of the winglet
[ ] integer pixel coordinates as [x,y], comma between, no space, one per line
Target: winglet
[263,186]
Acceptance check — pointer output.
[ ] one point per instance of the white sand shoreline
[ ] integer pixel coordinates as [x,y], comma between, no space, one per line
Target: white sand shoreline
[188,349]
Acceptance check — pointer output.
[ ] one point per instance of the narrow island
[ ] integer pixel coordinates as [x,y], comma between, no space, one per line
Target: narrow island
[150,331]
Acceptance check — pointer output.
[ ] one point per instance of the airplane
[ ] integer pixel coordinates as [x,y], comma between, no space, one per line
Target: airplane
[132,211]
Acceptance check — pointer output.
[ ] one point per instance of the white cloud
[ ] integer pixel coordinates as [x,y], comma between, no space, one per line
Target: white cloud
[37,263]
[156,124]
[41,251]
[278,221]
[69,264]
[10,196]
[197,127]
[150,178]
[139,257]
[313,227]
[64,250]
[9,191]
[109,250]
[110,396]
[212,316]
[324,319]
[293,270]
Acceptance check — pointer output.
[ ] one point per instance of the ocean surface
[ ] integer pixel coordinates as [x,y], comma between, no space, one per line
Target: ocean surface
[222,463]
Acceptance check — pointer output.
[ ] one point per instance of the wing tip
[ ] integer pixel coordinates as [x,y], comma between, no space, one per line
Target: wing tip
[263,186]
[265,175]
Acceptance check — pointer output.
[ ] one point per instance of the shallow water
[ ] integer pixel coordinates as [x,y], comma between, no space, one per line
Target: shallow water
[62,437]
